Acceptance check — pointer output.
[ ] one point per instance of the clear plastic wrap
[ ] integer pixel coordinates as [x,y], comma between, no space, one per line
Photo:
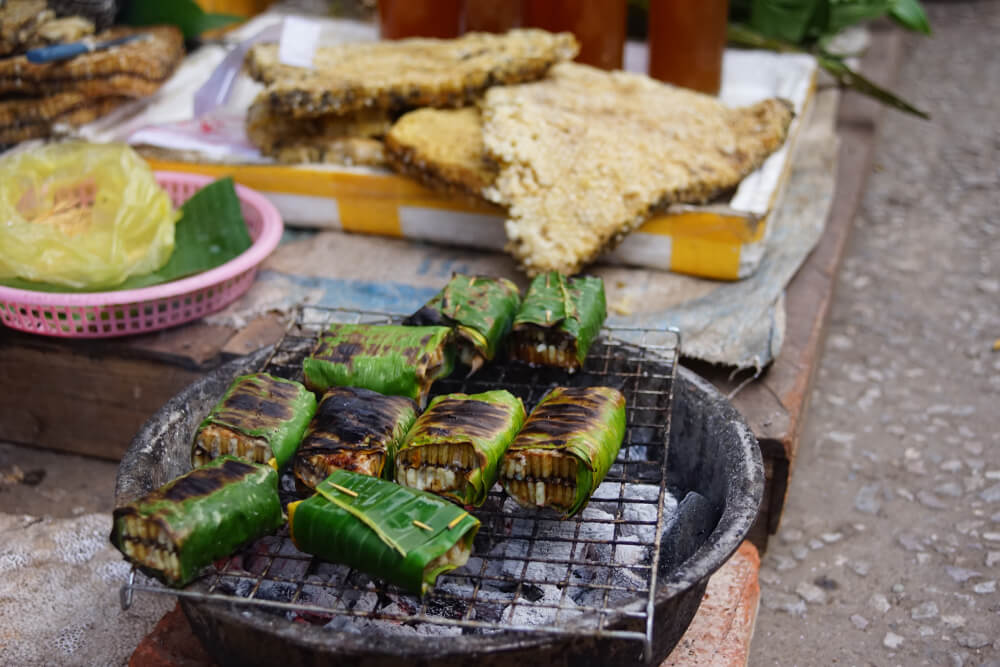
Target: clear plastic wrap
[82,215]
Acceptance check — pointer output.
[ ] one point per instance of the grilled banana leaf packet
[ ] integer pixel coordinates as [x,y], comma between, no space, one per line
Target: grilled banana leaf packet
[455,446]
[559,319]
[479,308]
[198,518]
[404,536]
[390,359]
[354,429]
[565,449]
[260,417]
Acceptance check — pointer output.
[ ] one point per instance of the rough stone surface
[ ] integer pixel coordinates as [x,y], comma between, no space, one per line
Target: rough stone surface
[57,572]
[902,432]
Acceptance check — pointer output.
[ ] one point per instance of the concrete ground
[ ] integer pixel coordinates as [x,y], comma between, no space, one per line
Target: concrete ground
[889,551]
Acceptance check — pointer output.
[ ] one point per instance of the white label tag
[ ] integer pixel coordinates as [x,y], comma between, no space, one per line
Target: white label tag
[298,41]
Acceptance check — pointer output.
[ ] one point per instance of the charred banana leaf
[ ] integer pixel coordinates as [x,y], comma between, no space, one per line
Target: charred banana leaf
[392,360]
[558,320]
[481,310]
[197,518]
[404,536]
[455,447]
[260,417]
[565,449]
[354,429]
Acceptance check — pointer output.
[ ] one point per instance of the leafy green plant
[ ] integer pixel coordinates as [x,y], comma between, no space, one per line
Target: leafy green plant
[191,19]
[808,26]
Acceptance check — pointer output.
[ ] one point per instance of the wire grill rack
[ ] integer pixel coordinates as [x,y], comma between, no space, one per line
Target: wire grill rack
[594,574]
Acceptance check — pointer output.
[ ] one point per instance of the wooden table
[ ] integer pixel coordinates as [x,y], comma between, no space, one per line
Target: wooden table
[89,397]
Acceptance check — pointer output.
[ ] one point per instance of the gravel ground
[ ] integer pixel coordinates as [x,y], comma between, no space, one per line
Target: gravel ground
[889,551]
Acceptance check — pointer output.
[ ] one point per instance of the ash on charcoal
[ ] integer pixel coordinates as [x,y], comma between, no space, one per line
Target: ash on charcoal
[276,591]
[238,586]
[290,563]
[694,520]
[543,612]
[332,574]
[631,554]
[626,586]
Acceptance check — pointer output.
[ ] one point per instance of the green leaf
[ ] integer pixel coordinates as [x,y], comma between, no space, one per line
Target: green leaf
[910,14]
[214,21]
[846,14]
[211,232]
[790,20]
[185,14]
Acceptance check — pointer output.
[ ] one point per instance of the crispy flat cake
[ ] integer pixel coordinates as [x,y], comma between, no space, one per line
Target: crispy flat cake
[585,155]
[354,136]
[442,148]
[23,119]
[407,73]
[350,151]
[135,69]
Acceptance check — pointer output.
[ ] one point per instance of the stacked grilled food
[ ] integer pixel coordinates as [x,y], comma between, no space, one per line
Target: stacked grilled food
[36,97]
[577,157]
[389,489]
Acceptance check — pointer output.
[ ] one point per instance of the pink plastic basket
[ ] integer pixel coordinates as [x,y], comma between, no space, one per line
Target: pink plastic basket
[127,312]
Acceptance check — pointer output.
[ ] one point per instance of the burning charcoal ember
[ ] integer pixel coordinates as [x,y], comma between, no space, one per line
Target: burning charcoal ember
[455,446]
[401,535]
[392,360]
[260,417]
[565,448]
[354,429]
[480,309]
[197,518]
[559,319]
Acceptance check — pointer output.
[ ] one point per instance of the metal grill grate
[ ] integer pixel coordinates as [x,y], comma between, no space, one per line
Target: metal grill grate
[530,572]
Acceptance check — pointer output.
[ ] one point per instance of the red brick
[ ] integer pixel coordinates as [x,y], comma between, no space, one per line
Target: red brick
[721,631]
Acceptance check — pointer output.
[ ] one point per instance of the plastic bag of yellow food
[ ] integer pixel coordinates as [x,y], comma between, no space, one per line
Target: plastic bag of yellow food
[82,215]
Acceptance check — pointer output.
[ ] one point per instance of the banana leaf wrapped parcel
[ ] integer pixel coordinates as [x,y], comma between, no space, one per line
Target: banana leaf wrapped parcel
[390,359]
[565,449]
[455,446]
[198,518]
[259,418]
[558,320]
[404,536]
[354,429]
[481,310]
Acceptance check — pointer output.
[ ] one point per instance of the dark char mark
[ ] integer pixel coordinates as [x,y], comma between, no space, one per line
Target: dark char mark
[206,481]
[463,418]
[577,410]
[354,416]
[426,316]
